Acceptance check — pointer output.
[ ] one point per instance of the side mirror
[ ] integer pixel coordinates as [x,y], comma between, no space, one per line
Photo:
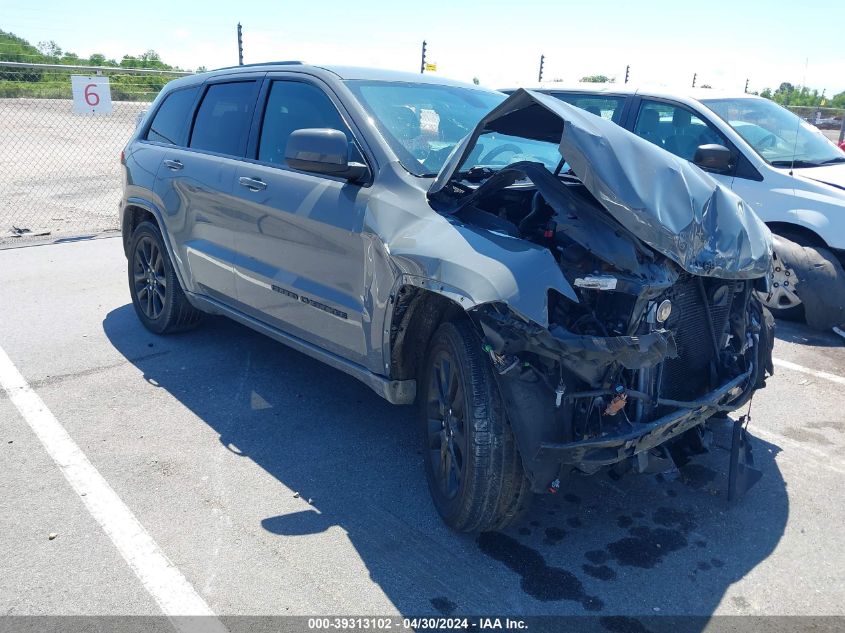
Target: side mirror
[322,151]
[713,157]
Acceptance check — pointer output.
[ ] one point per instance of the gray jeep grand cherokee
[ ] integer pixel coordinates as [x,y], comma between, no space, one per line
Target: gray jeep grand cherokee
[556,294]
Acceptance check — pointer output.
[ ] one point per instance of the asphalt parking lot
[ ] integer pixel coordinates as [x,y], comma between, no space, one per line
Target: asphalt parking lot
[276,485]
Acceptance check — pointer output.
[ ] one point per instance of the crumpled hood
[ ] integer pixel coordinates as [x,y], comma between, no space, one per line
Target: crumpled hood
[665,201]
[833,175]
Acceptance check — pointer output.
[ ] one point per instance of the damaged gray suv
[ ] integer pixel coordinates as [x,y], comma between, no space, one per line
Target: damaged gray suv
[557,295]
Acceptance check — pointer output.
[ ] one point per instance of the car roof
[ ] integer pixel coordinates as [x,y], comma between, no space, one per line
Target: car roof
[379,74]
[337,72]
[664,92]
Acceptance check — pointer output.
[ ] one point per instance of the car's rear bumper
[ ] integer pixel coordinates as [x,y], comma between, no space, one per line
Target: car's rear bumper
[611,449]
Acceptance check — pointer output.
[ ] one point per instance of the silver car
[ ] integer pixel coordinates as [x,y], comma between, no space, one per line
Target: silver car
[557,295]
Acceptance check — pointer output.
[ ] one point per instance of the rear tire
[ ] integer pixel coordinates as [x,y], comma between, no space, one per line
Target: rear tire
[157,297]
[472,463]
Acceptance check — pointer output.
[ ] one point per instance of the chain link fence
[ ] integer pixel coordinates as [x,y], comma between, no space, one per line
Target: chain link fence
[60,171]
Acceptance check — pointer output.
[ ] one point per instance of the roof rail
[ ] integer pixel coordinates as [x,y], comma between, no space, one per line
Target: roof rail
[291,62]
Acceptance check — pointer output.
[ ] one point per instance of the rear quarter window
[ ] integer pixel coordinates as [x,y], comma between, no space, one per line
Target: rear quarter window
[171,119]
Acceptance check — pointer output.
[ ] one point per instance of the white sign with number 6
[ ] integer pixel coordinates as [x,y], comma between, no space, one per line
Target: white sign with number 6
[91,94]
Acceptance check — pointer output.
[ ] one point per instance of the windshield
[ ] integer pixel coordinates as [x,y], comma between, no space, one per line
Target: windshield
[776,134]
[423,122]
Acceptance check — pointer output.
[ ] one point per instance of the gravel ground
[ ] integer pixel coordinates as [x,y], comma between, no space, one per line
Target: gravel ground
[60,171]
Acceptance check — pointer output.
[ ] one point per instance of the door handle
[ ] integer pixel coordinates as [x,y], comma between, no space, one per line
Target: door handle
[253,184]
[173,165]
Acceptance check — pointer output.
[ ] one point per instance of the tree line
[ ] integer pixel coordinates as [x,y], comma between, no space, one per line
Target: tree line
[788,95]
[17,49]
[53,83]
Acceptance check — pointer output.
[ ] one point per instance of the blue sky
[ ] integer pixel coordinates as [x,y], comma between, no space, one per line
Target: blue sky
[724,42]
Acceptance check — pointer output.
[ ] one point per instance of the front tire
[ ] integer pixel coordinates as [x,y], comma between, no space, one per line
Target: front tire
[157,297]
[472,464]
[808,284]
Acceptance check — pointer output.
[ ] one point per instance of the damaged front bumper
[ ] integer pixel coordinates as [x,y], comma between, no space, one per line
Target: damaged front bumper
[578,403]
[613,449]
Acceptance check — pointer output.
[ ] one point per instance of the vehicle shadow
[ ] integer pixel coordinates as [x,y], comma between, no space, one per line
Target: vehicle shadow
[603,547]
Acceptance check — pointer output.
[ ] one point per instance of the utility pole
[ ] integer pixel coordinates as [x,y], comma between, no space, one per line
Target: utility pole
[240,46]
[694,75]
[542,61]
[746,86]
[627,70]
[422,60]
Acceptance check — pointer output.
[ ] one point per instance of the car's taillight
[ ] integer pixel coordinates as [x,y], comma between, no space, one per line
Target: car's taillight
[122,157]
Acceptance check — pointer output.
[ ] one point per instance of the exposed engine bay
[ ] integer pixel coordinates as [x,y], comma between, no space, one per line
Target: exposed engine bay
[662,329]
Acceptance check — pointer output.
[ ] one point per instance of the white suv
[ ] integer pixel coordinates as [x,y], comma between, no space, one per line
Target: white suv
[785,168]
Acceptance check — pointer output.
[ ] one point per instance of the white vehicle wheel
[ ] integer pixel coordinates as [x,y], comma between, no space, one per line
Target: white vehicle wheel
[784,286]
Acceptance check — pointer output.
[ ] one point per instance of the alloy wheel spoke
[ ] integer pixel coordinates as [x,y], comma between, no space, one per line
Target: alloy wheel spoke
[447,467]
[158,304]
[453,452]
[454,473]
[435,429]
[458,432]
[443,377]
[146,252]
[457,404]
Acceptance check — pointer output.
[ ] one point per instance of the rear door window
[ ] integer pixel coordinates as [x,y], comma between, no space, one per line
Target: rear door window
[171,118]
[675,128]
[223,119]
[605,106]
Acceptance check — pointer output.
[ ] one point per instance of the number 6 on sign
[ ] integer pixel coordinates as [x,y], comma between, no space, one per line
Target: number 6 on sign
[91,94]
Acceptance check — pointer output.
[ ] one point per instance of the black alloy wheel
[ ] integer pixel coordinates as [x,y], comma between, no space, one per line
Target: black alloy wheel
[158,299]
[447,447]
[149,279]
[471,459]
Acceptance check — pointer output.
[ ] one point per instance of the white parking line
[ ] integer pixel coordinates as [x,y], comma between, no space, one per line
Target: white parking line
[806,370]
[162,579]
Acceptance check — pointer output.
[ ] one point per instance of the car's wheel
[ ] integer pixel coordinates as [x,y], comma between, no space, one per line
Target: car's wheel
[808,284]
[783,299]
[157,297]
[824,289]
[472,464]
